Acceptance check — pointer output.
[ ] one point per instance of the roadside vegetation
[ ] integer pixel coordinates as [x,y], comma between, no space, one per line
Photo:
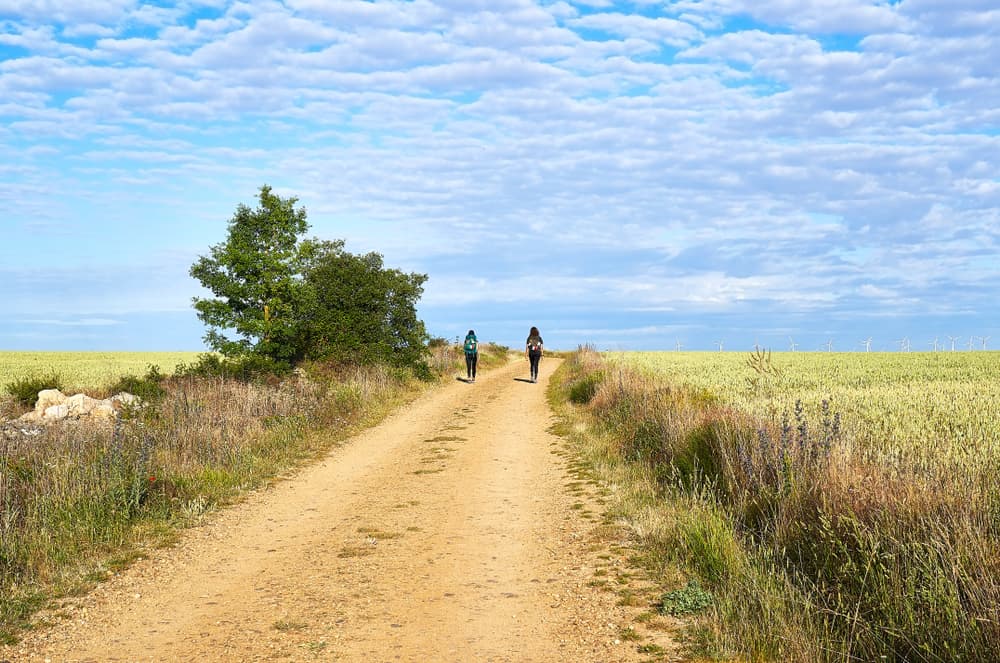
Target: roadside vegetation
[310,344]
[839,508]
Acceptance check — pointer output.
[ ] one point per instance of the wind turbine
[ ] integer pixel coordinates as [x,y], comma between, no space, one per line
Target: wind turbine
[679,346]
[868,344]
[720,344]
[904,344]
[985,338]
[829,345]
[935,344]
[972,343]
[952,339]
[792,343]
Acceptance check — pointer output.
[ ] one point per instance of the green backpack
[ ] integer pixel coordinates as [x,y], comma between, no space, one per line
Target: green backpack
[471,344]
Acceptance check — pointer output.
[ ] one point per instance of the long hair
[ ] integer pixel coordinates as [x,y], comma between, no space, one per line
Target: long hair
[533,332]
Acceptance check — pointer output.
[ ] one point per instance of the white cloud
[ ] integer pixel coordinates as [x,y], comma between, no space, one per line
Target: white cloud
[503,138]
[58,11]
[666,30]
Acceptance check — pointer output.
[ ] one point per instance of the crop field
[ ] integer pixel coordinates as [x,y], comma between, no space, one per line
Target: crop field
[85,370]
[928,406]
[862,487]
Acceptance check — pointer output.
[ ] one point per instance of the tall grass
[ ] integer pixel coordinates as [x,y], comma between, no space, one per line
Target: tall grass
[818,548]
[76,497]
[446,358]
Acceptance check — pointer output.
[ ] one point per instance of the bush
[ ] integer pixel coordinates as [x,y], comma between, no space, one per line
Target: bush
[147,388]
[25,390]
[583,390]
[247,368]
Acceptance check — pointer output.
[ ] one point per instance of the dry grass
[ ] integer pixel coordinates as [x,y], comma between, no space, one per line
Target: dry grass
[821,541]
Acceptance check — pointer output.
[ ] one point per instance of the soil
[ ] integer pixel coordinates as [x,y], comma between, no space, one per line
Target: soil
[453,531]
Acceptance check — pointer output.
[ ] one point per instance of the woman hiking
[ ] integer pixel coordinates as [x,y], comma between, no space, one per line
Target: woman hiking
[533,350]
[471,347]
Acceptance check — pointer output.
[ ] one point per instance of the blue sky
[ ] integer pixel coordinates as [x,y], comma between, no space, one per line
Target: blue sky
[635,175]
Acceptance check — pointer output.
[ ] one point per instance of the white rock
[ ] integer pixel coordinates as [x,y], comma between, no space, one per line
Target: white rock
[56,412]
[104,410]
[47,398]
[125,398]
[81,404]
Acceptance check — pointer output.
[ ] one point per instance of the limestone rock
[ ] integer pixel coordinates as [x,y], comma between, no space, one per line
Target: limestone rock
[56,412]
[81,405]
[125,399]
[47,398]
[104,410]
[54,406]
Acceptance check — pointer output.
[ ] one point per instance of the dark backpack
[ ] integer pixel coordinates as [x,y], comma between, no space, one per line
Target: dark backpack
[535,343]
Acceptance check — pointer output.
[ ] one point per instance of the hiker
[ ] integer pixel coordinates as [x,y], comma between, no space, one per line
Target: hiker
[533,350]
[471,347]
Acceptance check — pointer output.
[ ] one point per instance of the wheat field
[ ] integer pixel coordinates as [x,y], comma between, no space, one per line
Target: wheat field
[87,370]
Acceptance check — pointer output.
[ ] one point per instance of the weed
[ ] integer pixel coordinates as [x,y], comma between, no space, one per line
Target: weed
[690,599]
[629,634]
[652,649]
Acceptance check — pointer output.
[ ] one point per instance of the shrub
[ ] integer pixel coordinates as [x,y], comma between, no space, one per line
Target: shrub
[583,390]
[25,390]
[247,368]
[148,388]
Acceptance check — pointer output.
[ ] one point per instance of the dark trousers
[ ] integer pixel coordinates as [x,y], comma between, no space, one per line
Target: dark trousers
[471,359]
[534,358]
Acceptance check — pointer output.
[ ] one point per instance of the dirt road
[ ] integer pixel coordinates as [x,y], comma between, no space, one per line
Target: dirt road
[445,534]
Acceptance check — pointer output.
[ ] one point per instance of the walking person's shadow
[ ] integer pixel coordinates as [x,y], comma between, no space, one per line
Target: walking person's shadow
[522,380]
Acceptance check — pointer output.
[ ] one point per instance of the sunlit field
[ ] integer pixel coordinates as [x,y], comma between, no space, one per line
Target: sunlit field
[927,406]
[87,369]
[845,506]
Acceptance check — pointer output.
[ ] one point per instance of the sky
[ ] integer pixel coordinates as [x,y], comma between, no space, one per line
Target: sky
[651,174]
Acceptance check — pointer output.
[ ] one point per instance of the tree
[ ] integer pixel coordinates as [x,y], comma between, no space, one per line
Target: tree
[284,299]
[362,312]
[256,277]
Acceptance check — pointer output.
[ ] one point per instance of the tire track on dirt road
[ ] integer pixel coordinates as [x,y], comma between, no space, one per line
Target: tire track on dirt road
[444,534]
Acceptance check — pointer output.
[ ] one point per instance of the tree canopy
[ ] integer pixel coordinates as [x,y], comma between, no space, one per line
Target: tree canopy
[363,311]
[284,298]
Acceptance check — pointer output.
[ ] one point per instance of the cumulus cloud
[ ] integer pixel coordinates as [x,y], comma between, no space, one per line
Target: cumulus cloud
[696,157]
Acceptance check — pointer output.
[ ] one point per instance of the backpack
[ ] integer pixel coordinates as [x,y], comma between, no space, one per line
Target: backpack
[471,344]
[535,343]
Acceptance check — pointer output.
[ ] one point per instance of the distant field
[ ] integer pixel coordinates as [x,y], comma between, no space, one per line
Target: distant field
[928,405]
[87,369]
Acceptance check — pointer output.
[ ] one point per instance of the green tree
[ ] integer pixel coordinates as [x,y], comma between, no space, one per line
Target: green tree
[256,277]
[362,312]
[283,298]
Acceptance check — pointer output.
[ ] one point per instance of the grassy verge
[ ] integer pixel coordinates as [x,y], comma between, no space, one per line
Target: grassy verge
[808,549]
[79,501]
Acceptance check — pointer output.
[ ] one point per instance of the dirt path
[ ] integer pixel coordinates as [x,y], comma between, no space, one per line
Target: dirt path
[445,534]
